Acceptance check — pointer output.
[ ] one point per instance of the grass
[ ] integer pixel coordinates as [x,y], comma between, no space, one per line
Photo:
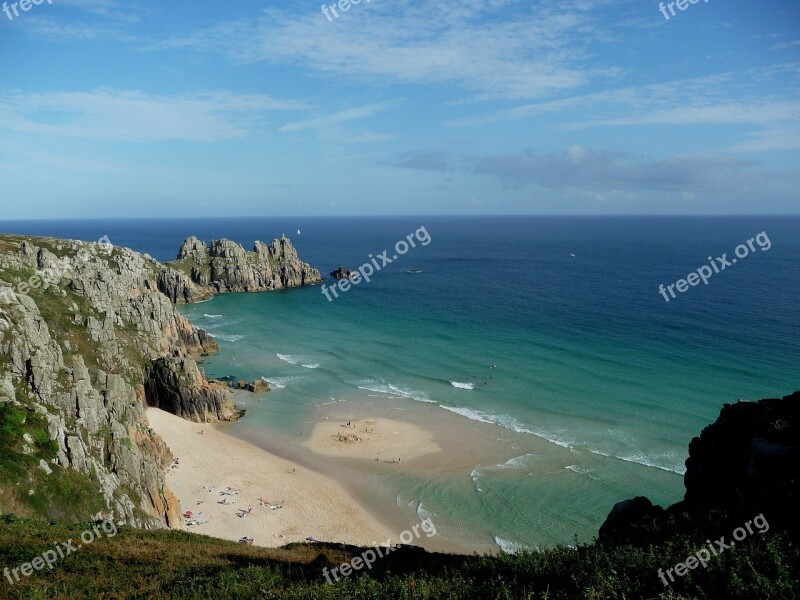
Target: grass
[163,564]
[63,494]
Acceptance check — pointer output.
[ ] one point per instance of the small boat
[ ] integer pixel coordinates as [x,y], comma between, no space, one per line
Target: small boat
[298,232]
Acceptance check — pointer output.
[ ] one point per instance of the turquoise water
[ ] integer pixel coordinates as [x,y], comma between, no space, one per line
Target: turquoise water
[588,355]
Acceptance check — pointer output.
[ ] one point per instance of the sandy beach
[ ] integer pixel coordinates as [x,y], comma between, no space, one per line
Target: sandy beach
[376,439]
[214,467]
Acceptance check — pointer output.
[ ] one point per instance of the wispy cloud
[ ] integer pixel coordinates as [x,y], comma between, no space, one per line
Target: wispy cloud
[481,46]
[721,99]
[136,116]
[343,116]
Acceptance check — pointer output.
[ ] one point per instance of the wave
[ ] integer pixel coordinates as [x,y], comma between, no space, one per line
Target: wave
[469,413]
[383,387]
[228,338]
[423,513]
[518,462]
[666,463]
[213,316]
[510,547]
[645,460]
[508,423]
[581,471]
[463,386]
[281,382]
[292,360]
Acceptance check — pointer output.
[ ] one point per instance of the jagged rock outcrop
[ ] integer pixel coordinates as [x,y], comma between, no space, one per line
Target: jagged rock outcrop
[87,341]
[342,273]
[177,386]
[744,464]
[202,270]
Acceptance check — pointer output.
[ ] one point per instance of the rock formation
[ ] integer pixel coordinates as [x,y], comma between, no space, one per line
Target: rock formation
[87,342]
[745,464]
[202,270]
[342,273]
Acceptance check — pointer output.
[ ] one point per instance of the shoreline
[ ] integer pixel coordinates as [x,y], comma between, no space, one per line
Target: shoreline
[209,463]
[434,445]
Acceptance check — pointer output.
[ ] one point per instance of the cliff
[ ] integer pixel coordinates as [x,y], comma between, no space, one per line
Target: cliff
[744,464]
[202,270]
[87,342]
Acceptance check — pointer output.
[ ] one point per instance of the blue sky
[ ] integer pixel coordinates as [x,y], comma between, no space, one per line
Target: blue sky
[210,108]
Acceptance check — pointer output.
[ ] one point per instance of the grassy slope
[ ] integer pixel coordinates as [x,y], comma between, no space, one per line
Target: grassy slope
[141,564]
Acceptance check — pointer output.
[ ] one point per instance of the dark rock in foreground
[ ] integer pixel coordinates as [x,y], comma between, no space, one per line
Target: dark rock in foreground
[745,464]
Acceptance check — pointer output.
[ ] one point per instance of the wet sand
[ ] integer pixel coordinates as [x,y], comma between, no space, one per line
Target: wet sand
[431,443]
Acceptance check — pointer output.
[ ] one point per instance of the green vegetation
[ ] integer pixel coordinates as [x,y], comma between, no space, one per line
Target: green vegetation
[63,494]
[164,564]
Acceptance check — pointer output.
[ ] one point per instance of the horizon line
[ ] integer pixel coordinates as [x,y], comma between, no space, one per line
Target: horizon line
[398,216]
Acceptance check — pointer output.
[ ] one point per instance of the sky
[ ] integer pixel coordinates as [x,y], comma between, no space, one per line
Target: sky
[117,109]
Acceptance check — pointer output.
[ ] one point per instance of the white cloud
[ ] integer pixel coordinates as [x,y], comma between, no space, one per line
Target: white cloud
[747,98]
[343,116]
[136,116]
[492,48]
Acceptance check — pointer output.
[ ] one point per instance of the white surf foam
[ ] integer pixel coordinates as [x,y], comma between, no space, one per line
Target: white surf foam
[469,413]
[507,422]
[280,382]
[518,462]
[228,338]
[311,366]
[213,316]
[646,461]
[463,386]
[423,513]
[665,462]
[292,360]
[383,387]
[510,547]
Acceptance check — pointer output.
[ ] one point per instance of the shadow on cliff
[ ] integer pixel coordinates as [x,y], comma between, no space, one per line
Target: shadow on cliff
[745,464]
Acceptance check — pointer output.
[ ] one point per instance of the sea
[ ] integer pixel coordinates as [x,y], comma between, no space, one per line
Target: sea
[548,327]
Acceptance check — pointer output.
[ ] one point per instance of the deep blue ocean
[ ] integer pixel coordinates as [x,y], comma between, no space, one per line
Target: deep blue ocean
[586,352]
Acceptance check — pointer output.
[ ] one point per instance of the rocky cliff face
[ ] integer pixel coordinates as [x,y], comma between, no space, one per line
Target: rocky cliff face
[202,270]
[745,464]
[87,341]
[176,385]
